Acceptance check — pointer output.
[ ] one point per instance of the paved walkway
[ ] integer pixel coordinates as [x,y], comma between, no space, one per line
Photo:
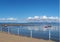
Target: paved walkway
[4,37]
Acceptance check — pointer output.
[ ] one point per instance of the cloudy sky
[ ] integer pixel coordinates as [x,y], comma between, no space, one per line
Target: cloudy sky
[27,8]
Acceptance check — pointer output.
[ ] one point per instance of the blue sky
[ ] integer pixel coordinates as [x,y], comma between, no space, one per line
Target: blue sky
[26,8]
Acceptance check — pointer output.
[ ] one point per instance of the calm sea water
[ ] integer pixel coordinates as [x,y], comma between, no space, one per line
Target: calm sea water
[38,31]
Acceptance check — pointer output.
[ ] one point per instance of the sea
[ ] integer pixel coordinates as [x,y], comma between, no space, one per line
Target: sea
[35,30]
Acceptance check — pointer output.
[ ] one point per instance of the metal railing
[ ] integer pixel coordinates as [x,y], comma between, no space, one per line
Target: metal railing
[35,31]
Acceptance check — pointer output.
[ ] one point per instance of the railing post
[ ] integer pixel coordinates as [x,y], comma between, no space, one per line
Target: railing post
[8,30]
[49,31]
[49,34]
[18,31]
[1,29]
[31,33]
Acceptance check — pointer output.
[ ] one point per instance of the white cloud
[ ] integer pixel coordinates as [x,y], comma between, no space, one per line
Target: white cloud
[29,18]
[43,17]
[2,19]
[53,17]
[8,19]
[11,19]
[36,17]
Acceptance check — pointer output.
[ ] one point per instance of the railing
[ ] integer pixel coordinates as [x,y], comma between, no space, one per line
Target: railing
[33,31]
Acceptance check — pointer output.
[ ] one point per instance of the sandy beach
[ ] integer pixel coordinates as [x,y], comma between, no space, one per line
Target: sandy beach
[5,37]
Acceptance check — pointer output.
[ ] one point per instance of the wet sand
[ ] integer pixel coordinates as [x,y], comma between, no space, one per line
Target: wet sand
[5,37]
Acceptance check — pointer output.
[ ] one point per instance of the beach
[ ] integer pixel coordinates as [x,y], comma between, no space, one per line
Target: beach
[5,37]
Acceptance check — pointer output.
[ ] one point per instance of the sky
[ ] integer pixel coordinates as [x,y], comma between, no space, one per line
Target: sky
[26,8]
